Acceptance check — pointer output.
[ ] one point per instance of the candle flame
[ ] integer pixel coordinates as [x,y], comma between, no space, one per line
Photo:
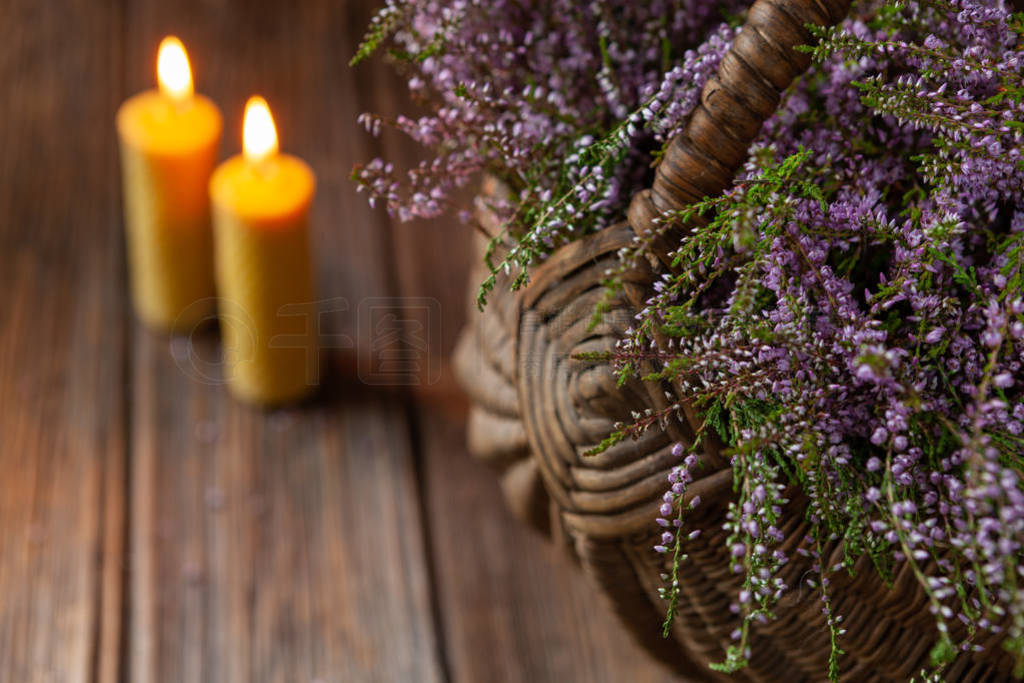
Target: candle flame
[172,70]
[259,137]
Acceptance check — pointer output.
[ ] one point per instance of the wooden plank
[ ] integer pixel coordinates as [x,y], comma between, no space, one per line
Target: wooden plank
[281,546]
[513,606]
[61,344]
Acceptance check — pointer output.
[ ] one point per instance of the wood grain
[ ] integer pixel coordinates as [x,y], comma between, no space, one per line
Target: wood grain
[280,546]
[61,344]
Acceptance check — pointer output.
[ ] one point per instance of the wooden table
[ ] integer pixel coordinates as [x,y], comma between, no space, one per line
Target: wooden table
[152,529]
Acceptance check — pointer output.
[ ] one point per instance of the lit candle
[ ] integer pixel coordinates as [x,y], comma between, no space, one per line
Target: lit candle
[169,139]
[264,278]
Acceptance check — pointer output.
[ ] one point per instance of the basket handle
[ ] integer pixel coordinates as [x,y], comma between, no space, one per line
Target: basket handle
[702,160]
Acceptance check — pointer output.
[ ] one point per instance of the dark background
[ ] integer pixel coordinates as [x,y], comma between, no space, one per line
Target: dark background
[151,528]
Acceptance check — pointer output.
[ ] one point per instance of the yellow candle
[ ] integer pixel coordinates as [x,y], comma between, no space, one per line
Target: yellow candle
[264,278]
[169,140]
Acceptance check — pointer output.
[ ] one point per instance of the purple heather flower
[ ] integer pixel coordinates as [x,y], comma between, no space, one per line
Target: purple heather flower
[1003,380]
[879,436]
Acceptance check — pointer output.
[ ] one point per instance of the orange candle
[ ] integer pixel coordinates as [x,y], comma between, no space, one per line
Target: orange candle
[263,268]
[169,139]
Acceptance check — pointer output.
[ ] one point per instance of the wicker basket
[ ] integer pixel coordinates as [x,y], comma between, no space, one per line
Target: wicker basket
[536,410]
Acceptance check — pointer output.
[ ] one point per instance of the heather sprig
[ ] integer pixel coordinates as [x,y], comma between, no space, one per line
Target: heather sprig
[384,23]
[672,514]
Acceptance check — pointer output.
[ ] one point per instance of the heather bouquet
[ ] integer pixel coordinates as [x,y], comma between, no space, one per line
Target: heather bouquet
[848,320]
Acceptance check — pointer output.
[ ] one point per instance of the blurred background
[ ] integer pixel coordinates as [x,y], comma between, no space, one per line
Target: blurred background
[154,529]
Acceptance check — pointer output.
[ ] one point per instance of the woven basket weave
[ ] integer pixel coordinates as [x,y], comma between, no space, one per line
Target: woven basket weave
[536,410]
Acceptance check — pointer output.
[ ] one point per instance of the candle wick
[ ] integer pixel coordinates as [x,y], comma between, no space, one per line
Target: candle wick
[264,167]
[181,104]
